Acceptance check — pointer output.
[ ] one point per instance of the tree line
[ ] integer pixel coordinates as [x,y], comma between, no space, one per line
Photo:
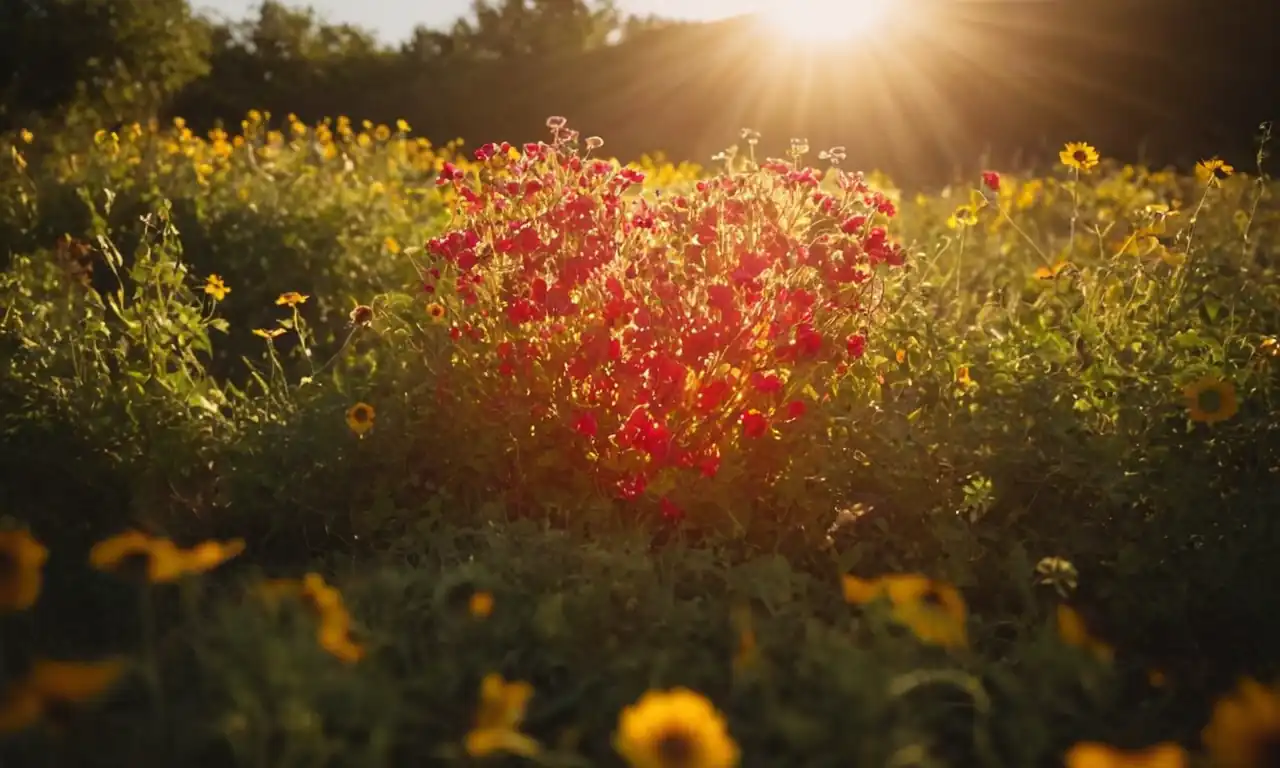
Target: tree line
[1161,82]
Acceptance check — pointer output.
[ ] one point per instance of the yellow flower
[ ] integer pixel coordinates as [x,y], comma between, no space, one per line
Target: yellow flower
[207,555]
[391,244]
[481,605]
[333,630]
[291,299]
[214,286]
[22,561]
[436,311]
[26,136]
[402,126]
[382,133]
[360,418]
[1073,631]
[1088,754]
[934,611]
[1210,400]
[268,334]
[1079,155]
[964,216]
[51,688]
[334,635]
[1048,273]
[1244,728]
[967,215]
[498,718]
[122,554]
[1213,171]
[679,728]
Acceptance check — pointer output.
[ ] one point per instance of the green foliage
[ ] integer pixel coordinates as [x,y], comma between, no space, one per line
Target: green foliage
[1024,412]
[118,59]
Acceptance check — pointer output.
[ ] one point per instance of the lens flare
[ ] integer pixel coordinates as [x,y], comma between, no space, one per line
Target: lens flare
[825,20]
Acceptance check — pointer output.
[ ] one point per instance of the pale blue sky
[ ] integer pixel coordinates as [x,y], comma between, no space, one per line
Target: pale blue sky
[393,20]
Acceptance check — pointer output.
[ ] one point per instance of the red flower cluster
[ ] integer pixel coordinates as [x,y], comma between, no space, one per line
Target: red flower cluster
[655,334]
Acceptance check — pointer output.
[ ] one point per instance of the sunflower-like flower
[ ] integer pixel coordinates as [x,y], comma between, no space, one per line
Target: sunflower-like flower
[1079,156]
[436,311]
[1244,729]
[679,728]
[360,418]
[291,299]
[1210,400]
[498,718]
[51,688]
[215,287]
[1090,754]
[1213,171]
[22,561]
[1074,632]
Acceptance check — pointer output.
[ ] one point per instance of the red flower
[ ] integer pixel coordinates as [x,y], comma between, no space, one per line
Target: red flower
[856,345]
[711,395]
[808,341]
[585,424]
[766,383]
[754,423]
[710,464]
[853,224]
[631,487]
[991,180]
[796,409]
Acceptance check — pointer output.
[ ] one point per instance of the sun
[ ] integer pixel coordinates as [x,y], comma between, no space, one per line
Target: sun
[824,20]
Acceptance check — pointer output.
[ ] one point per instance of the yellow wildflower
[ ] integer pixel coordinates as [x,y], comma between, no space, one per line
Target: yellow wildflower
[676,728]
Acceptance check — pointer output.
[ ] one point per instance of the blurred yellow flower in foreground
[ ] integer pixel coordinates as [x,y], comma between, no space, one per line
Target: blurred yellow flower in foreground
[291,299]
[22,561]
[934,611]
[1090,754]
[497,726]
[1073,631]
[158,560]
[333,630]
[51,688]
[679,728]
[1244,728]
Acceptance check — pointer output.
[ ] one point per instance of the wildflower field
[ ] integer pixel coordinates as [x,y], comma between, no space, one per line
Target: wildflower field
[326,446]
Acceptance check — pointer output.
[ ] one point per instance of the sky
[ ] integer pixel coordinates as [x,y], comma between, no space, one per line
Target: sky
[394,20]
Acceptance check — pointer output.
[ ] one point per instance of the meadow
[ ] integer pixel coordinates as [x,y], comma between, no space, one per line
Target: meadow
[327,446]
